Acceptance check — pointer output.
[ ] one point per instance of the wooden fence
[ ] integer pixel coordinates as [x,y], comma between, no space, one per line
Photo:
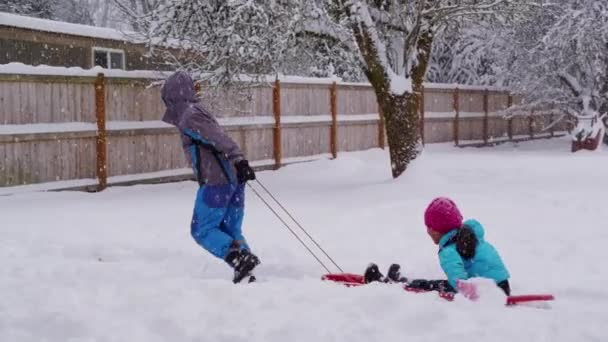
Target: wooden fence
[90,130]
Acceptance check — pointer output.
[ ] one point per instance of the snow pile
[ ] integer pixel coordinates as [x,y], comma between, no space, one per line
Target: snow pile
[400,85]
[121,266]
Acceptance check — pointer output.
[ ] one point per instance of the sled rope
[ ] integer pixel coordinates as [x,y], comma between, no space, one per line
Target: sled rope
[299,225]
[288,227]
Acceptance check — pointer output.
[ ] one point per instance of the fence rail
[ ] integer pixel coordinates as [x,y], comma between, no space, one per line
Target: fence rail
[67,128]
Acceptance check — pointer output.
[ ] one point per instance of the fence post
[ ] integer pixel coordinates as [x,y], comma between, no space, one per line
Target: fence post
[552,129]
[486,127]
[381,137]
[333,103]
[276,110]
[456,117]
[510,119]
[422,116]
[531,125]
[100,114]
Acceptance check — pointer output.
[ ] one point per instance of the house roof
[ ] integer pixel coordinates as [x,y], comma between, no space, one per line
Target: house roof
[19,21]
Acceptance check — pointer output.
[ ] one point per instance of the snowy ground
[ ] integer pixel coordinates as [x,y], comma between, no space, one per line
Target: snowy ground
[121,266]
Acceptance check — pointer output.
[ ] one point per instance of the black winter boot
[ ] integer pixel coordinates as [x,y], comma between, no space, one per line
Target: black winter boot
[372,273]
[245,263]
[394,274]
[234,253]
[232,258]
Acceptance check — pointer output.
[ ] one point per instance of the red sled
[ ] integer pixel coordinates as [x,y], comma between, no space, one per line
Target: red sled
[351,279]
[515,300]
[347,279]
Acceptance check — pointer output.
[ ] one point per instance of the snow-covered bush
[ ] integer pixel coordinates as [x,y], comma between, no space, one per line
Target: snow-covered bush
[568,68]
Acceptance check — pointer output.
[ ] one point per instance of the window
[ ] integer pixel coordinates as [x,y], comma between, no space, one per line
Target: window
[109,58]
[101,59]
[116,60]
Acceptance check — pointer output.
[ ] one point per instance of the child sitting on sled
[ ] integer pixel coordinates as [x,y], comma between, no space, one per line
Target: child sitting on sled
[463,254]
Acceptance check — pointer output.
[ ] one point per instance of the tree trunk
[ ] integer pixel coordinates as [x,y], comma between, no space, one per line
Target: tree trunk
[105,14]
[135,9]
[402,113]
[402,129]
[604,107]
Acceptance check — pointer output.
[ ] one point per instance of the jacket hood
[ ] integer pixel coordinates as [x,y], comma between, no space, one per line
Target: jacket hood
[178,94]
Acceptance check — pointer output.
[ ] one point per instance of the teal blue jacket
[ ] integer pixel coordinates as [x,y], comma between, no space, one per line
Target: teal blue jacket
[485,264]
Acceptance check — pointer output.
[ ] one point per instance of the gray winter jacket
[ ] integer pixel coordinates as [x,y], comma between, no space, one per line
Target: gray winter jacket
[209,150]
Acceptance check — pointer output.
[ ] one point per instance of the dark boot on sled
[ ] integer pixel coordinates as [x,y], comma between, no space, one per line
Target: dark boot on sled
[372,273]
[394,274]
[243,262]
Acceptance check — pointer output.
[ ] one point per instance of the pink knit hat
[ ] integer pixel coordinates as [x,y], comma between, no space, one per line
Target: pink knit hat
[442,215]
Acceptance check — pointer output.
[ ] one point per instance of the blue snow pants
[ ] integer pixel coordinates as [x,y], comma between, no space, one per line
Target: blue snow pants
[218,217]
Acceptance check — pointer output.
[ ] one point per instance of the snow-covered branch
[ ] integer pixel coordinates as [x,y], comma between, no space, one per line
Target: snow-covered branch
[441,14]
[376,48]
[570,82]
[223,39]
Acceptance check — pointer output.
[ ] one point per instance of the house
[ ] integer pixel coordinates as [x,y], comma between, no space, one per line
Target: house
[36,41]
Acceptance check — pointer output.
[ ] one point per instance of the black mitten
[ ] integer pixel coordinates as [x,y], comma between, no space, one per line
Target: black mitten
[431,285]
[244,172]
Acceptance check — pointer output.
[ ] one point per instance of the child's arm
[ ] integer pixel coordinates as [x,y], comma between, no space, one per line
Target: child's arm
[453,265]
[207,132]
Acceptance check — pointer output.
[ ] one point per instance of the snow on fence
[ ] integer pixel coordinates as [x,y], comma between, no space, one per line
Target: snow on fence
[103,129]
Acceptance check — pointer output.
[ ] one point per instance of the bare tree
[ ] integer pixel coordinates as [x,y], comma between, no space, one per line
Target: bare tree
[137,9]
[561,64]
[467,51]
[35,8]
[393,40]
[223,40]
[555,55]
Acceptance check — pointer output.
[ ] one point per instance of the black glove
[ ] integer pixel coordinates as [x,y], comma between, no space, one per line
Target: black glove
[244,172]
[431,285]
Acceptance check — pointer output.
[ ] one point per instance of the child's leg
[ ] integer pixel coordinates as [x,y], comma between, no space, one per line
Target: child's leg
[233,221]
[210,211]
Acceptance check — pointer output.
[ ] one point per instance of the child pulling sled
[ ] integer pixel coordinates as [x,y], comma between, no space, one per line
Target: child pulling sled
[221,171]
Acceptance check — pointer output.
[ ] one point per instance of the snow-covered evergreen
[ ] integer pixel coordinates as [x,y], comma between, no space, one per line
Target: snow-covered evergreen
[567,68]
